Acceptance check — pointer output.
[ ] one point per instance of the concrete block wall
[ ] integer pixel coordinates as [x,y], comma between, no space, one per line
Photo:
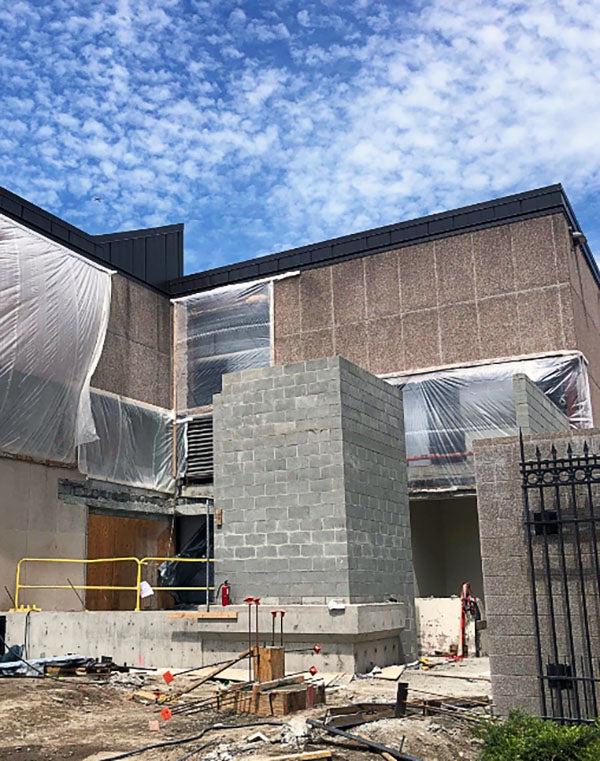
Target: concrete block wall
[311,477]
[536,413]
[506,571]
[279,480]
[375,487]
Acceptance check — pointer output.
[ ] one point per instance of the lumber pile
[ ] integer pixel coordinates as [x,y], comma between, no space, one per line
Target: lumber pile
[278,699]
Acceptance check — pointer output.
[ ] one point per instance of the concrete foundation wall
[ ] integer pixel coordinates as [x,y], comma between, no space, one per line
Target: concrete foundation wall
[37,523]
[506,569]
[353,639]
[536,413]
[438,626]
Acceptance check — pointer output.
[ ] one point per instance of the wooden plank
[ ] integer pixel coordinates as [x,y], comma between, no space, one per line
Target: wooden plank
[391,673]
[278,702]
[283,682]
[206,615]
[214,672]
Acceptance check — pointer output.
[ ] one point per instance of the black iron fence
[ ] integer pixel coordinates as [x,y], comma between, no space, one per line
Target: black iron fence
[561,514]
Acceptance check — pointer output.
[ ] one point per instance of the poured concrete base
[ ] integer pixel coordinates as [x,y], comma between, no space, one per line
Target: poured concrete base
[353,640]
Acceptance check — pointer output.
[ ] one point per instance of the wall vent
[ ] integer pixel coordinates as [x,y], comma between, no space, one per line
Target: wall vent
[200,458]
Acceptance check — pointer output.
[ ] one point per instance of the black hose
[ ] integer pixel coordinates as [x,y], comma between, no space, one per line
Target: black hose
[200,735]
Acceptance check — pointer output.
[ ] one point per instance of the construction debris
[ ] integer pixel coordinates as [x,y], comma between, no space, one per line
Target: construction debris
[374,746]
[310,755]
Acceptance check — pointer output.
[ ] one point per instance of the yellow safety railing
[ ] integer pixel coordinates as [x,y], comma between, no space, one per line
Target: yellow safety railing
[140,562]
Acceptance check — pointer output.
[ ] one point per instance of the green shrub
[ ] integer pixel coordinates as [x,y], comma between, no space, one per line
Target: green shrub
[528,738]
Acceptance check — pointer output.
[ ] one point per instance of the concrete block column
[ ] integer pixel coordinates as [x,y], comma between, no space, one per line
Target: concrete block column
[310,473]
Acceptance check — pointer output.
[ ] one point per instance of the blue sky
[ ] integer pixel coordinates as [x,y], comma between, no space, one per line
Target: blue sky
[265,125]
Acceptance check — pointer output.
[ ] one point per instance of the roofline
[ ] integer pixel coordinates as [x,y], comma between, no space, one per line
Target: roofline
[550,199]
[93,247]
[143,232]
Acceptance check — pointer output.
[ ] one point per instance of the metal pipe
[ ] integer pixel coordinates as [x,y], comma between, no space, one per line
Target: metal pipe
[362,741]
[257,603]
[249,601]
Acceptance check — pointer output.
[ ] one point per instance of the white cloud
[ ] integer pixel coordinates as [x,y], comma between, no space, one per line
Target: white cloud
[303,18]
[294,123]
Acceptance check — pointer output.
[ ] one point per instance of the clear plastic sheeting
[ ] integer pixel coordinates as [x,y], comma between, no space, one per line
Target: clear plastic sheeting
[445,411]
[54,310]
[135,444]
[217,332]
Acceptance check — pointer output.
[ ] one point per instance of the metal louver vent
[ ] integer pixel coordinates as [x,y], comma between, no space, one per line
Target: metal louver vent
[200,449]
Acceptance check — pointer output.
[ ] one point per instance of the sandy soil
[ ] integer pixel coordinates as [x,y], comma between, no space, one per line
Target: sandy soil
[48,720]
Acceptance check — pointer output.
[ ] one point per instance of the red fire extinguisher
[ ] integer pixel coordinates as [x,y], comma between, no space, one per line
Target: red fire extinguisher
[225,593]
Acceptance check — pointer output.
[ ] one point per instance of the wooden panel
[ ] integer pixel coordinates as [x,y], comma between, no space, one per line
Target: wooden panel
[110,536]
[210,615]
[271,663]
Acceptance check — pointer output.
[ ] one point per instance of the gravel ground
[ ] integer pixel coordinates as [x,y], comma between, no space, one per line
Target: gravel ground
[49,720]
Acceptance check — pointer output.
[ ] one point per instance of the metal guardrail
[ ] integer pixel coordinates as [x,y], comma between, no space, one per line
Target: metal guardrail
[140,562]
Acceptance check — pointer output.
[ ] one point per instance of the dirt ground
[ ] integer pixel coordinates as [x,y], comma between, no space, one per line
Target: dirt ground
[49,720]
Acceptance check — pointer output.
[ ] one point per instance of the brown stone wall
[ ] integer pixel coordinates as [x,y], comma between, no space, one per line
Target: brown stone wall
[506,569]
[493,293]
[136,359]
[585,300]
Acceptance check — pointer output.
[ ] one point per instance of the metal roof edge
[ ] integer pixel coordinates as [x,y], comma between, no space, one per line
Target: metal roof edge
[532,203]
[587,251]
[143,232]
[93,247]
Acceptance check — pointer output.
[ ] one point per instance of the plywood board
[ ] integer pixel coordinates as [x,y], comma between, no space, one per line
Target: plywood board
[111,536]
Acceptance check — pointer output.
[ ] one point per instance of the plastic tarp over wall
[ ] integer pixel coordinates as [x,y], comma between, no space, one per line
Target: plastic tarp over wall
[134,445]
[445,411]
[54,309]
[217,332]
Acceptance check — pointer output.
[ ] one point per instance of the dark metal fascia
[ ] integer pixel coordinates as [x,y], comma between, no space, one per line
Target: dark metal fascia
[533,203]
[93,247]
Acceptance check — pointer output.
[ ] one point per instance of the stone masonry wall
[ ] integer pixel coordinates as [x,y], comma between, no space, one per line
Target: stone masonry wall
[536,413]
[458,299]
[136,358]
[311,477]
[506,570]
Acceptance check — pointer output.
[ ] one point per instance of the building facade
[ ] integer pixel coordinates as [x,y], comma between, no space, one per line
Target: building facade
[449,308]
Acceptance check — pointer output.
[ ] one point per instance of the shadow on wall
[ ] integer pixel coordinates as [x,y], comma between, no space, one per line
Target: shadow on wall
[445,546]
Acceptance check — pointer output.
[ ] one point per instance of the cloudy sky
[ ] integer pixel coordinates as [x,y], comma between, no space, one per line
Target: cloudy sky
[264,125]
